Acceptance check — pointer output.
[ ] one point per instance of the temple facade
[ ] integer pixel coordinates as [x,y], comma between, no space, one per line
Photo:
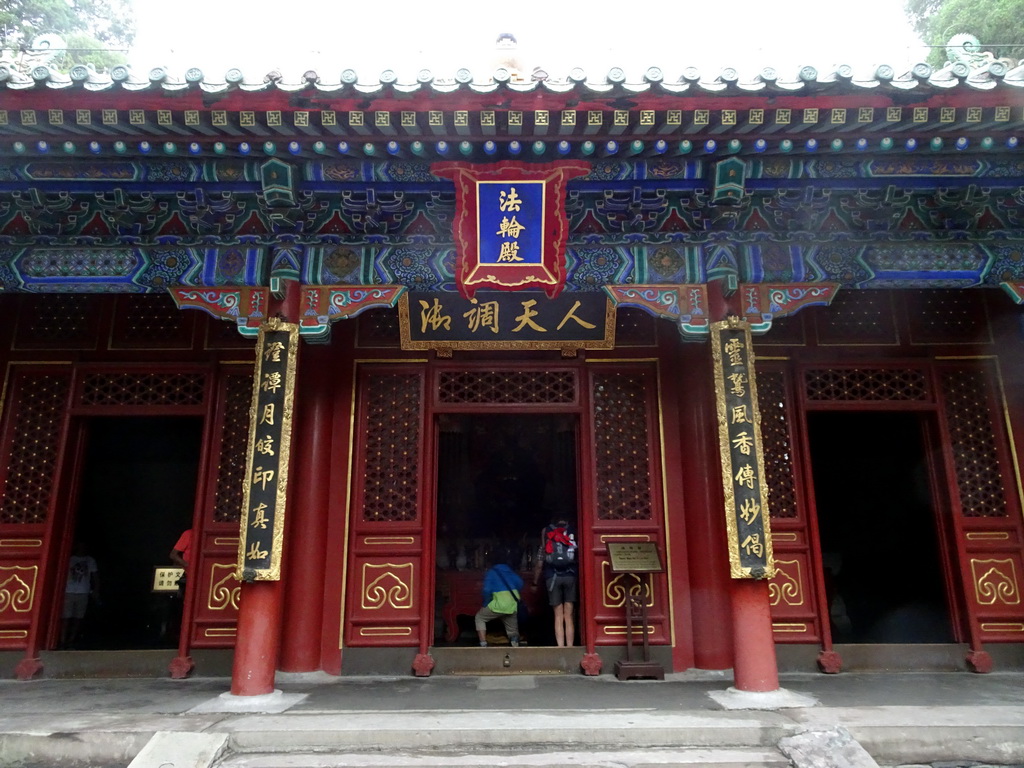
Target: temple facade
[859,242]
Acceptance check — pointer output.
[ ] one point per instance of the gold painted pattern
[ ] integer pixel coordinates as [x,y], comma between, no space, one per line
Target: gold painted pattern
[13,634]
[226,541]
[787,585]
[620,629]
[17,587]
[224,587]
[995,581]
[988,536]
[621,586]
[385,631]
[789,627]
[220,632]
[21,543]
[1002,626]
[387,584]
[788,536]
[377,540]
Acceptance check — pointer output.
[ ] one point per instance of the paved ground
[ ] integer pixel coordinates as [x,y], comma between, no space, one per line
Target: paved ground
[899,719]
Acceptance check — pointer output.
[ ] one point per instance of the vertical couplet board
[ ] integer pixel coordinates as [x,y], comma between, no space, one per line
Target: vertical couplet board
[270,431]
[739,434]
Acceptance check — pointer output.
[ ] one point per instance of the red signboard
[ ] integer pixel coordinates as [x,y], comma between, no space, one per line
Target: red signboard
[510,224]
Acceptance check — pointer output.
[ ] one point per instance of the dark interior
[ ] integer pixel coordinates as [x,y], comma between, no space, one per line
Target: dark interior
[136,497]
[878,528]
[500,480]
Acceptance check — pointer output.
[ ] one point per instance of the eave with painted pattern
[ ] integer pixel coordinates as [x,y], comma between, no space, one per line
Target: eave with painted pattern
[143,184]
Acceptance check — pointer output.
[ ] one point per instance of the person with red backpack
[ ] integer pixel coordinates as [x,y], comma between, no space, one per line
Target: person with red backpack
[556,559]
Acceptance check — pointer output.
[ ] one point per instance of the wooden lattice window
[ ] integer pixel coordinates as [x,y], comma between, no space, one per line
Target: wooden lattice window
[785,331]
[857,317]
[775,438]
[378,328]
[866,384]
[234,439]
[58,320]
[635,328]
[947,317]
[972,438]
[494,387]
[167,389]
[151,320]
[224,335]
[621,440]
[391,466]
[39,401]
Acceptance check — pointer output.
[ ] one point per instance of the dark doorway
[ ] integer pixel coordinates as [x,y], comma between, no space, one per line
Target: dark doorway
[877,523]
[136,496]
[500,480]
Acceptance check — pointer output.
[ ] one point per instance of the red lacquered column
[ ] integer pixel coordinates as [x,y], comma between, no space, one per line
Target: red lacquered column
[259,638]
[755,667]
[307,517]
[705,524]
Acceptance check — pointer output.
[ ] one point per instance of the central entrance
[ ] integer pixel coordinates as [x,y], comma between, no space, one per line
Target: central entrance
[500,479]
[453,461]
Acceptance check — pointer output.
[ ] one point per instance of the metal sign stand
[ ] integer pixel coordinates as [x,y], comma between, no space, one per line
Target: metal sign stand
[636,558]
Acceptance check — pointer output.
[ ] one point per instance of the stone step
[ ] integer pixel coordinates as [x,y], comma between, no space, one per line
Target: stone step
[470,732]
[506,660]
[634,757]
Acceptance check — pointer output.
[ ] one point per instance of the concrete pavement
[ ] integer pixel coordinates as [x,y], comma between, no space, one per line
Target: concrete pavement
[689,719]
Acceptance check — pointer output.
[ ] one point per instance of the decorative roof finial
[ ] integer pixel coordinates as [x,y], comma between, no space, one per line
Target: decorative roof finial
[965,49]
[507,56]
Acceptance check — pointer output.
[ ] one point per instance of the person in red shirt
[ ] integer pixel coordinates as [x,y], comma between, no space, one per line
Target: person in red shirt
[181,554]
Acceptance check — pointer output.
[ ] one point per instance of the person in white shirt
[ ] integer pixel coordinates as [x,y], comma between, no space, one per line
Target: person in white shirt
[83,584]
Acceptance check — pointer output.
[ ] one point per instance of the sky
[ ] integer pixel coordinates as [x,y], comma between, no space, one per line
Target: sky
[294,36]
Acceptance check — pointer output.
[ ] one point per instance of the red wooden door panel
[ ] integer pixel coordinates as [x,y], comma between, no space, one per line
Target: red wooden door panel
[627,503]
[384,600]
[794,593]
[215,607]
[34,420]
[214,615]
[986,510]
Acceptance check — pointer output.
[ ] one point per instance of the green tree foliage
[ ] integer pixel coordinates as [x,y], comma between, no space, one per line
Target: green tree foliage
[95,32]
[998,25]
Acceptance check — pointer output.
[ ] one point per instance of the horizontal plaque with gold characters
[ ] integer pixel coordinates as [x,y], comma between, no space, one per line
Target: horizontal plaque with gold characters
[634,557]
[506,320]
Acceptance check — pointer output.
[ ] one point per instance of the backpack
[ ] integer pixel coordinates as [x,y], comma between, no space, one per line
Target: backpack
[559,547]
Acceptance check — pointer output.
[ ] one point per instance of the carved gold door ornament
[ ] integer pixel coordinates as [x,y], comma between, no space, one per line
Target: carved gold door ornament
[388,585]
[785,587]
[995,581]
[224,587]
[17,587]
[622,586]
